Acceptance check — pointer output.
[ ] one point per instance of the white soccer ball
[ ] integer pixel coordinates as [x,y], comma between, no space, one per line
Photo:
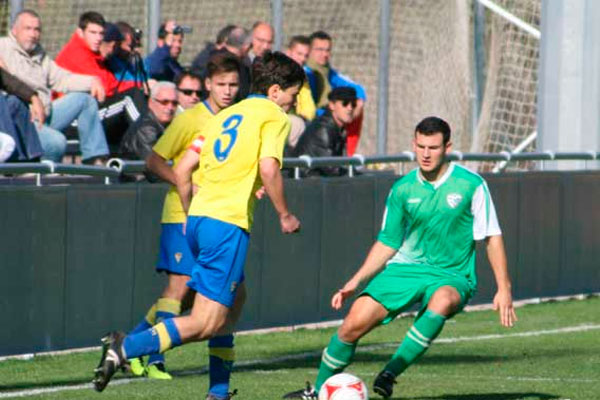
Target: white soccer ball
[343,387]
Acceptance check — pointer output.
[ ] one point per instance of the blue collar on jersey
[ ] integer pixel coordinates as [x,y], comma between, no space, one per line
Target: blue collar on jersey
[205,102]
[260,96]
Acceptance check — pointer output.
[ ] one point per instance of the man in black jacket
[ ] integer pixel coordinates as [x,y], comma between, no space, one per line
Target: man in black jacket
[325,136]
[142,135]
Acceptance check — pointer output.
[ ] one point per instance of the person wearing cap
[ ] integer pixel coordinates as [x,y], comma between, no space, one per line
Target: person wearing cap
[325,136]
[87,53]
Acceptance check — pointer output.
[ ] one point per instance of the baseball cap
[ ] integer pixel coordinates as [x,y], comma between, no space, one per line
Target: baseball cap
[112,33]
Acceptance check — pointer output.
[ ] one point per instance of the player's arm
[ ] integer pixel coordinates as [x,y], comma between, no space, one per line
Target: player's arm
[503,299]
[183,177]
[377,258]
[486,227]
[158,165]
[273,184]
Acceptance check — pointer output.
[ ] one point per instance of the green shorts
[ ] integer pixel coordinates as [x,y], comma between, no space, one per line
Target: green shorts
[399,286]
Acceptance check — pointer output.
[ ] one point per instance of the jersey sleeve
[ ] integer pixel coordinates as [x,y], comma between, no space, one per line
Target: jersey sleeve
[273,136]
[485,221]
[393,224]
[175,139]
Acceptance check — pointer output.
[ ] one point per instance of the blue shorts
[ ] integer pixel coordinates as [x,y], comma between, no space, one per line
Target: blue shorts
[220,252]
[175,255]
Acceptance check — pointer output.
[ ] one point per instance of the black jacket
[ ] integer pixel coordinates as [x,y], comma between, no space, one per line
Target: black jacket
[140,137]
[322,138]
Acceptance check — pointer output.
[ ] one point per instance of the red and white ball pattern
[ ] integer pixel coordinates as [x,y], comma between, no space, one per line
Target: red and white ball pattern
[343,387]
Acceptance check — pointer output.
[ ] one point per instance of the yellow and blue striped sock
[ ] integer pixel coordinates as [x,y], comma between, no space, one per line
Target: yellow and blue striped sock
[148,321]
[165,308]
[160,338]
[221,358]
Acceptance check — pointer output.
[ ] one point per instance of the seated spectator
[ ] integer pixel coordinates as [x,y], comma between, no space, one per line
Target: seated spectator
[93,42]
[24,57]
[16,119]
[322,78]
[325,136]
[262,40]
[126,62]
[189,89]
[237,44]
[143,134]
[201,58]
[305,108]
[162,62]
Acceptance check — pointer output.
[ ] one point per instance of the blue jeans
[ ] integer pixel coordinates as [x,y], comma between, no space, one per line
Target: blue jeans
[15,121]
[74,106]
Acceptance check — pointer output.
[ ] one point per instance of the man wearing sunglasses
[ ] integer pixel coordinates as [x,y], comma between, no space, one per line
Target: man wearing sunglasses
[142,135]
[325,136]
[189,89]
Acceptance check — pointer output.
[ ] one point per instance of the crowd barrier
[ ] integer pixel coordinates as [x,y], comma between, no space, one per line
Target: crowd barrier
[78,260]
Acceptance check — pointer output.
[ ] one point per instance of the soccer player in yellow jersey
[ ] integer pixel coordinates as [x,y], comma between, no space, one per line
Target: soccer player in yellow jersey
[242,151]
[175,258]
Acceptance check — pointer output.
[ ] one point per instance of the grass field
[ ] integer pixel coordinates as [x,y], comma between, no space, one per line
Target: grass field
[552,353]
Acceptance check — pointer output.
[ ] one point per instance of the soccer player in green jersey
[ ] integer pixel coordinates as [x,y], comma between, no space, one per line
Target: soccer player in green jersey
[425,253]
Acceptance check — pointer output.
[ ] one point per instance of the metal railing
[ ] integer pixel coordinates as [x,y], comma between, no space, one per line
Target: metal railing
[116,167]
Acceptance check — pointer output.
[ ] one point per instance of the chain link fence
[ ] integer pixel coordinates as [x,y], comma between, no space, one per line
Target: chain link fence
[431,56]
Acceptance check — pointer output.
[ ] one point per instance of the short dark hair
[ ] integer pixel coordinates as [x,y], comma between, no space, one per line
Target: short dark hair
[432,125]
[237,38]
[275,69]
[224,33]
[91,17]
[299,39]
[221,63]
[187,73]
[125,28]
[321,35]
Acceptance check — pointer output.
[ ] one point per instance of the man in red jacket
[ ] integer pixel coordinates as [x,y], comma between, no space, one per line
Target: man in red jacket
[86,53]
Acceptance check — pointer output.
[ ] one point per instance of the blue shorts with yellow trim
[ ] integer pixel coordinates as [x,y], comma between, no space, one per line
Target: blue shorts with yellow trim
[175,255]
[220,252]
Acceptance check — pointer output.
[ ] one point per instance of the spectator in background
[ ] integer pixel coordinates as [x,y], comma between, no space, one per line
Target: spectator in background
[323,78]
[162,62]
[189,89]
[305,108]
[24,57]
[237,43]
[325,136]
[16,121]
[143,134]
[201,59]
[126,62]
[262,40]
[86,53]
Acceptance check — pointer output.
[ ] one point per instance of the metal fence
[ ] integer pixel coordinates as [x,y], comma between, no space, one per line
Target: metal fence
[116,168]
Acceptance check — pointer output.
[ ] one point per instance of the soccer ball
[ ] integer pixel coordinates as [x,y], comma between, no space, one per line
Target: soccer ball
[343,387]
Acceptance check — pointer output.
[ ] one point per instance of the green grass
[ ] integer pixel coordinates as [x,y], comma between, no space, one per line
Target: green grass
[551,366]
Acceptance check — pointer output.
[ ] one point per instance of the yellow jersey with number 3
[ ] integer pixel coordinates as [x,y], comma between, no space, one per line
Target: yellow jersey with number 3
[235,140]
[173,144]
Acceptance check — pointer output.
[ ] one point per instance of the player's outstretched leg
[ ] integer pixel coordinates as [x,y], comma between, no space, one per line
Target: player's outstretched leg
[417,340]
[111,360]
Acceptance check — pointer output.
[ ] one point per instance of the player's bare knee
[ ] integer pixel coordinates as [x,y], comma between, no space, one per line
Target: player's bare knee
[444,302]
[350,332]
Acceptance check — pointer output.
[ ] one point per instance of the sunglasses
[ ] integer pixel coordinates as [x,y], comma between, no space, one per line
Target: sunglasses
[165,102]
[346,102]
[189,92]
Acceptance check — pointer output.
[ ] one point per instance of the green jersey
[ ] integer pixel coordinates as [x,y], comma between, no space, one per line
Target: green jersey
[435,225]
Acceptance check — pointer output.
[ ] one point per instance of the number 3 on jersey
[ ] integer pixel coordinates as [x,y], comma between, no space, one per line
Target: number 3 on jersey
[230,129]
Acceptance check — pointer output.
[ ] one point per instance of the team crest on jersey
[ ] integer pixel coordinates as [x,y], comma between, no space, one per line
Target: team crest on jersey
[453,199]
[178,257]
